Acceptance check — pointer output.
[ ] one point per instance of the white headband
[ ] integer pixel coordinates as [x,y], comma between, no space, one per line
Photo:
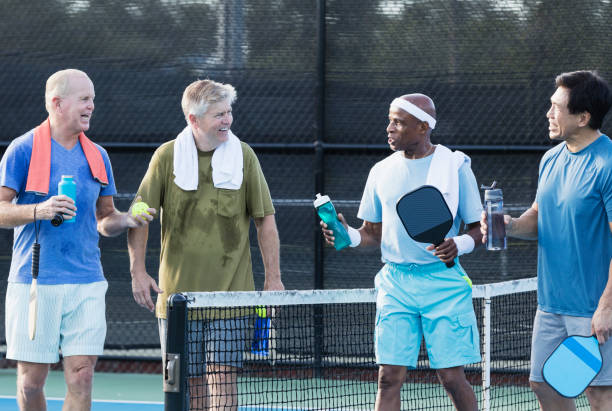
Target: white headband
[415,111]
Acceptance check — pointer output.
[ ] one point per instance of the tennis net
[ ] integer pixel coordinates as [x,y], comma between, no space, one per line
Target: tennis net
[313,350]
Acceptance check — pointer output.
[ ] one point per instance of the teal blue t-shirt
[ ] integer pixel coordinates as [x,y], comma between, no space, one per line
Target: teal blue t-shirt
[574,241]
[69,254]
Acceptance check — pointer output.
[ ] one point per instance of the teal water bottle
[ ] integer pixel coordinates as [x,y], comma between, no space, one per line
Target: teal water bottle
[67,187]
[328,215]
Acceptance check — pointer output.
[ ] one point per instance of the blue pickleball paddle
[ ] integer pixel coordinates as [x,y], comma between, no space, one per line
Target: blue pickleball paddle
[571,367]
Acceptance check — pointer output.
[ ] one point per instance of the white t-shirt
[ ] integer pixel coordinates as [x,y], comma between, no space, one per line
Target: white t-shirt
[395,176]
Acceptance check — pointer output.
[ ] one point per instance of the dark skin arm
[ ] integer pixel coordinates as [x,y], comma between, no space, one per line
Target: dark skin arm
[447,251]
[371,233]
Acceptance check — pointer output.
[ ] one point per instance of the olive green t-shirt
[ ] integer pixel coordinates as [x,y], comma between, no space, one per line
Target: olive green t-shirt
[204,233]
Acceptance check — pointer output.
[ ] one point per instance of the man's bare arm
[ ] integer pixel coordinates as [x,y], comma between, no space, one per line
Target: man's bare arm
[269,246]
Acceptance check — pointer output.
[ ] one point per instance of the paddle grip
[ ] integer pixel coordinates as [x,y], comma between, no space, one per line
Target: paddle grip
[35,259]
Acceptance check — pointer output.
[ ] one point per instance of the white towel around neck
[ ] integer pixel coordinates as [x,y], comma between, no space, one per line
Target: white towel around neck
[444,174]
[226,162]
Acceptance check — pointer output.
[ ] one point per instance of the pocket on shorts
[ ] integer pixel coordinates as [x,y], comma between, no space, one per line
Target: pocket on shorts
[228,204]
[467,331]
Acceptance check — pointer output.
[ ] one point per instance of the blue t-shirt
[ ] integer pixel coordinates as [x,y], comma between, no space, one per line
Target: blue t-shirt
[69,254]
[574,200]
[388,181]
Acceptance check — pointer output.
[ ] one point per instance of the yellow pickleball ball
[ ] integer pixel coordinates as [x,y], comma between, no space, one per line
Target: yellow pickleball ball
[261,311]
[139,208]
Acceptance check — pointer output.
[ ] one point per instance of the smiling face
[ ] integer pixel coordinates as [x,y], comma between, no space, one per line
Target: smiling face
[562,125]
[211,129]
[76,107]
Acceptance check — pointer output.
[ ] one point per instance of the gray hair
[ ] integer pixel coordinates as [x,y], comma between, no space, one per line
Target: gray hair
[58,85]
[200,94]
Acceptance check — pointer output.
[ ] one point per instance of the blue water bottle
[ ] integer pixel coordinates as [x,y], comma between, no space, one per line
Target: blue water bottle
[67,187]
[261,336]
[328,215]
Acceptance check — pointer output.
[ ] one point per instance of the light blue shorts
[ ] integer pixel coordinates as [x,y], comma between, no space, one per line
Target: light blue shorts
[432,301]
[548,332]
[70,316]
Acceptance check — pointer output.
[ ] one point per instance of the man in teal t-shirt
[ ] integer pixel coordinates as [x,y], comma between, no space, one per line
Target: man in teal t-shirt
[572,220]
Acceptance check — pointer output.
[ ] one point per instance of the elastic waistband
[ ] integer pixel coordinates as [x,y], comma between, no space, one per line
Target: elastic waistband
[419,268]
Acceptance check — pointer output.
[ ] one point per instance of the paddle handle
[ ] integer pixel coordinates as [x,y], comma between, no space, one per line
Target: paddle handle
[33,301]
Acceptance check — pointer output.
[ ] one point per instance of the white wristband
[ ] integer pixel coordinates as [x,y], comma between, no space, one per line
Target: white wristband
[355,236]
[465,244]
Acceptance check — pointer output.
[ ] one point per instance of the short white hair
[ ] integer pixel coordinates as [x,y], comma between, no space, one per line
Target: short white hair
[200,94]
[58,85]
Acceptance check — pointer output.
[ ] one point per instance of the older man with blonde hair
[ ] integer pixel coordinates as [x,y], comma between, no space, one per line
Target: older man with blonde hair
[208,185]
[71,284]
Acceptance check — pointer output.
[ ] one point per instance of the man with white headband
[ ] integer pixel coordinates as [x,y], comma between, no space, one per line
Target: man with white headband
[418,295]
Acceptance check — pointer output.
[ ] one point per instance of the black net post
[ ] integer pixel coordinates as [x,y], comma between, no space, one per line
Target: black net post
[320,179]
[175,357]
[319,157]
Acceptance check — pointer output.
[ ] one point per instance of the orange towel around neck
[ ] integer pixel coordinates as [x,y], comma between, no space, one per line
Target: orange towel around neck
[40,161]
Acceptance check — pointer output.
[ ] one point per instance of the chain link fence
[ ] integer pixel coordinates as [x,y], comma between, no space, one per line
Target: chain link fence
[314,82]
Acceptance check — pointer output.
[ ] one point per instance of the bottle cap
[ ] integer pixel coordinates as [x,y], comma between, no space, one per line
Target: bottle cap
[66,176]
[320,200]
[493,195]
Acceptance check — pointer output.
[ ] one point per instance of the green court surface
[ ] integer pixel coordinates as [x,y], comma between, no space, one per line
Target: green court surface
[143,392]
[111,391]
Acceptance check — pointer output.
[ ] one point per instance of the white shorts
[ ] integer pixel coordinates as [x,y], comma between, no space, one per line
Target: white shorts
[548,332]
[70,316]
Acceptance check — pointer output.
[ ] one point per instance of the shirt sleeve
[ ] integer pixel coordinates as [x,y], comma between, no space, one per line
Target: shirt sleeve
[109,189]
[470,206]
[152,185]
[14,166]
[606,190]
[259,201]
[370,208]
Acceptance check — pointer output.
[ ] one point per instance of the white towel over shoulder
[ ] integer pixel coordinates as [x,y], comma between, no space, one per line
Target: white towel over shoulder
[227,162]
[444,174]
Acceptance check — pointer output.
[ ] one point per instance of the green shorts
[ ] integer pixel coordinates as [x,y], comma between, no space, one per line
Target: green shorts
[432,301]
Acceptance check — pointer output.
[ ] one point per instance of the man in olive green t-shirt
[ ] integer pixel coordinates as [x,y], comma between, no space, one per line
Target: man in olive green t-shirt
[207,185]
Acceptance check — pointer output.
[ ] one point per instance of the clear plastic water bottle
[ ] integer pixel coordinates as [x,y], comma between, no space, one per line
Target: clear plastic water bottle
[328,215]
[67,187]
[494,204]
